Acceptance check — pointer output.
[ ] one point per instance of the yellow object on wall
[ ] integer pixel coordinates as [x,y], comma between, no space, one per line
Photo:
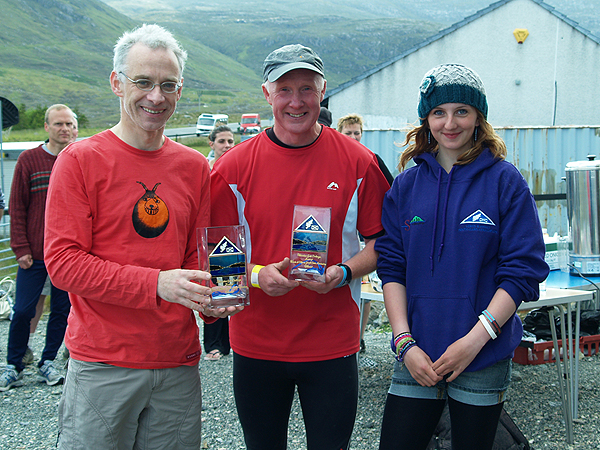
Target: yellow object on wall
[521,34]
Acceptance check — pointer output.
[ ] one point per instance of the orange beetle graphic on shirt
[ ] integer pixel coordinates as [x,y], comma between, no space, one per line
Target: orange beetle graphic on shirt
[150,214]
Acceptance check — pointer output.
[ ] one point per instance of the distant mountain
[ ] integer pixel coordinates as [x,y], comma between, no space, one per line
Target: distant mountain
[55,50]
[61,50]
[444,12]
[352,36]
[585,12]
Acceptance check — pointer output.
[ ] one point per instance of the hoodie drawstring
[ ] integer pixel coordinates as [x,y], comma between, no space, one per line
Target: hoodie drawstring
[435,220]
[444,216]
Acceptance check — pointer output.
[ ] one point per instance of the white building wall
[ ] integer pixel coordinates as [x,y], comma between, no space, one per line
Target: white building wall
[520,79]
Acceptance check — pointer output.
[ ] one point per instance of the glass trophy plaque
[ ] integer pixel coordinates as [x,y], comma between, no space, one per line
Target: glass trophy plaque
[310,239]
[222,252]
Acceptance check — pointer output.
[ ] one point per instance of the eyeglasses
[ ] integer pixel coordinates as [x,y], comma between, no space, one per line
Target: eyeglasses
[168,87]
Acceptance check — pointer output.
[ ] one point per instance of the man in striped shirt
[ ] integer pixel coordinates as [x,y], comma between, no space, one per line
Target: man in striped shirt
[27,206]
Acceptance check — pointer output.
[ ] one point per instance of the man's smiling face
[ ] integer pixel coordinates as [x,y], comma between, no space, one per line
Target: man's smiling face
[295,98]
[148,110]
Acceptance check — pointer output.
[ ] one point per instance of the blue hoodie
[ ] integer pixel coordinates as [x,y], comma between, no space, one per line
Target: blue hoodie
[453,239]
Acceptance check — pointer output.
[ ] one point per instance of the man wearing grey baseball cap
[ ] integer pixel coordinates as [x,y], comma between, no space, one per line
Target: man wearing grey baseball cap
[290,57]
[298,333]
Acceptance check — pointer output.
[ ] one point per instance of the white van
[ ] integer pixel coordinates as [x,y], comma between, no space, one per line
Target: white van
[206,122]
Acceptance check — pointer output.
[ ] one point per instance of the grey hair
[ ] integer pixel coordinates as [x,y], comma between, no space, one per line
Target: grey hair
[152,36]
[320,83]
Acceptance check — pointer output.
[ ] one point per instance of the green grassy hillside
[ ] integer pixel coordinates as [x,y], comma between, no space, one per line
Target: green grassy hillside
[350,36]
[347,47]
[60,51]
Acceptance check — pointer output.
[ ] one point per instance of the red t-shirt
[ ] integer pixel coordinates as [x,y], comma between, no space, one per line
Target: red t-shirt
[257,184]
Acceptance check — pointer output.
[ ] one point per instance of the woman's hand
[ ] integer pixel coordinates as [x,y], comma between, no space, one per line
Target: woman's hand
[420,367]
[459,355]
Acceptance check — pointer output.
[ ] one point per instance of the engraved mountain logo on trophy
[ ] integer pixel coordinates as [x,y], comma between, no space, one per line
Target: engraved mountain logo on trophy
[310,236]
[226,259]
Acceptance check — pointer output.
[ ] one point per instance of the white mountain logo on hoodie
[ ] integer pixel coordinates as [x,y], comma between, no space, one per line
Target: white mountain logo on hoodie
[479,218]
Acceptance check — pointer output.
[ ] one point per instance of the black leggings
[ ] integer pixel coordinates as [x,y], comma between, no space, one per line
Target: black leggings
[216,336]
[409,423]
[264,392]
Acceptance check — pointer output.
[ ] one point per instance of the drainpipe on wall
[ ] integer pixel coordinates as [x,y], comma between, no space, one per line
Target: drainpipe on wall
[555,68]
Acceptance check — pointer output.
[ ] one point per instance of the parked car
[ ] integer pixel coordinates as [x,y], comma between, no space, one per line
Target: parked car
[250,124]
[206,122]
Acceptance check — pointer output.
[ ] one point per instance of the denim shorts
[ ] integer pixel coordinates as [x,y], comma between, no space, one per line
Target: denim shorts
[484,387]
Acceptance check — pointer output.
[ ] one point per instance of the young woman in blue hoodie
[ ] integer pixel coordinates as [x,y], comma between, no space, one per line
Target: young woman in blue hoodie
[463,248]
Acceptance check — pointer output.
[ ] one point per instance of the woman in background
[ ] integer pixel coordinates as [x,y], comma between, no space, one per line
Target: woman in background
[220,141]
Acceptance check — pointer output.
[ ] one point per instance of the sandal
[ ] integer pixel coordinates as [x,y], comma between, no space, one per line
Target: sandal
[213,355]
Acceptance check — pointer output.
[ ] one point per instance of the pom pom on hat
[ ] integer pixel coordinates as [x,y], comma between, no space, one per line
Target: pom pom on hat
[451,83]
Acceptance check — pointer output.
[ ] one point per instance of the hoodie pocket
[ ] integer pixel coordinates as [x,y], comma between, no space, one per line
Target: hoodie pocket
[437,322]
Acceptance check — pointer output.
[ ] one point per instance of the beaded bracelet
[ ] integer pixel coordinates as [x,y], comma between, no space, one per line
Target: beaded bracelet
[396,339]
[404,349]
[492,321]
[401,343]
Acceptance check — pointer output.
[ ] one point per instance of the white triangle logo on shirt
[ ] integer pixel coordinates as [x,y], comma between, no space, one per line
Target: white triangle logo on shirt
[479,218]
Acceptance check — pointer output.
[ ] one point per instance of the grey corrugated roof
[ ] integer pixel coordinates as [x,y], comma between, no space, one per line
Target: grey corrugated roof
[453,28]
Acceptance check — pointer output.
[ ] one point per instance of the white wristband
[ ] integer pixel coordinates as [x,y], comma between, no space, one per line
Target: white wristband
[487,326]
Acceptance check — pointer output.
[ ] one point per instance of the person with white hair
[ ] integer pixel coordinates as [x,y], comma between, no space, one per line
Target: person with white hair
[298,334]
[122,241]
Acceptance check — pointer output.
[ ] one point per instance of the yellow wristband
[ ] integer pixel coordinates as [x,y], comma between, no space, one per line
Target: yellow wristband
[254,276]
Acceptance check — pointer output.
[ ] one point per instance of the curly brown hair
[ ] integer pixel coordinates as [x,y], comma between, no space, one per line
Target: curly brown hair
[417,141]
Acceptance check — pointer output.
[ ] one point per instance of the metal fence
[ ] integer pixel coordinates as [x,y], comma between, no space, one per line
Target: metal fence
[541,155]
[8,263]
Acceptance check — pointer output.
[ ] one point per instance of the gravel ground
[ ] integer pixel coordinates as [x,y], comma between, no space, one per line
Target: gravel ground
[28,418]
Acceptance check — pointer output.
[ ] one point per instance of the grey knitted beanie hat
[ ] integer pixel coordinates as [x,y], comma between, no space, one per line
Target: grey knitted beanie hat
[451,83]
